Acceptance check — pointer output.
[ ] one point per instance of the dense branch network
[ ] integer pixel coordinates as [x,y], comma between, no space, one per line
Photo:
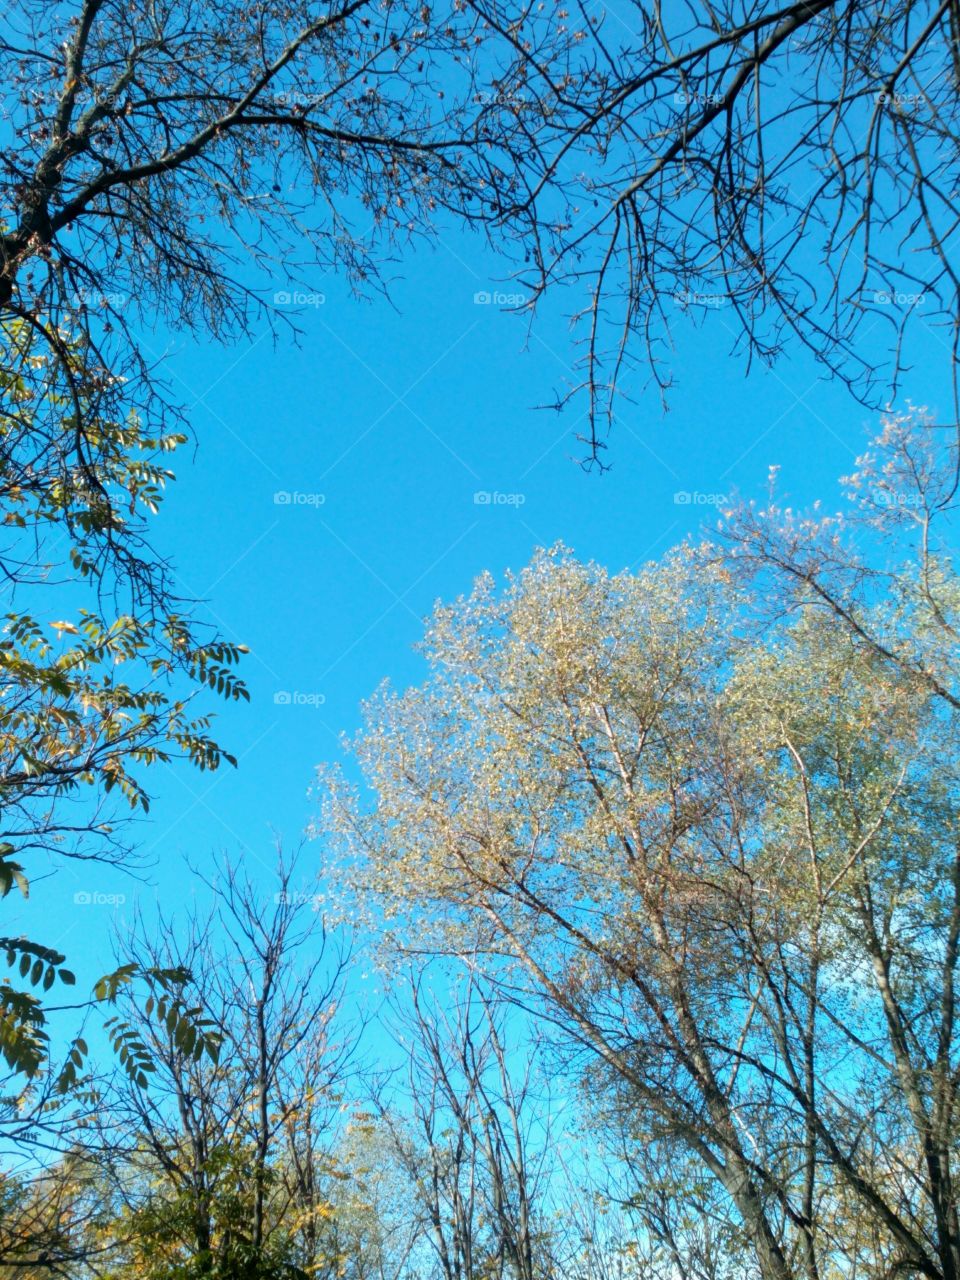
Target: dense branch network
[789,166]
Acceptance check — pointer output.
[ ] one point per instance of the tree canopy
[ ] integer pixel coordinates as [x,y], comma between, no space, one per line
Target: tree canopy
[789,163]
[695,824]
[709,830]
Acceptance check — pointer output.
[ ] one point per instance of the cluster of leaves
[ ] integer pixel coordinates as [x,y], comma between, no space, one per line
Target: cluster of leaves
[88,702]
[189,1032]
[74,454]
[23,1034]
[67,716]
[69,719]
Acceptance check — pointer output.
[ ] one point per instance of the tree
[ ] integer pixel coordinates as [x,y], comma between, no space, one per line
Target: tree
[472,1131]
[220,1167]
[372,1227]
[719,850]
[162,147]
[87,704]
[49,1225]
[671,1230]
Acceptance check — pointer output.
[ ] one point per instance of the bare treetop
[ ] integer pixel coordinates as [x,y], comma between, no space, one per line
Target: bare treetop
[793,165]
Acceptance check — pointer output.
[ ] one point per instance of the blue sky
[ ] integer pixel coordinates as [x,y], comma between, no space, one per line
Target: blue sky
[382,426]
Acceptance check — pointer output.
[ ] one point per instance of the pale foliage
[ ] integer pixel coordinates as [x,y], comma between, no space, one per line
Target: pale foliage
[705,815]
